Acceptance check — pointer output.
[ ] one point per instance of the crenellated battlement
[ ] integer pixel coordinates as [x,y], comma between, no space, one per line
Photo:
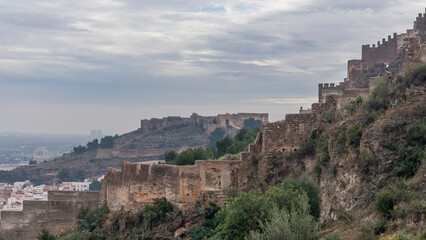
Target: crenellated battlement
[420,23]
[384,43]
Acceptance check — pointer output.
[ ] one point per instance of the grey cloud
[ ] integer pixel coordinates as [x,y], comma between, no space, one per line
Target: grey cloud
[163,53]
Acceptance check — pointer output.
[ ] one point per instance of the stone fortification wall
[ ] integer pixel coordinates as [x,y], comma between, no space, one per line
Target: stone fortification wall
[56,214]
[132,153]
[209,123]
[137,184]
[289,135]
[326,89]
[420,23]
[385,52]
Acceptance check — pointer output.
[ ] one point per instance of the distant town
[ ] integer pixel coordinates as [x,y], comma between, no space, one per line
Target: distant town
[13,195]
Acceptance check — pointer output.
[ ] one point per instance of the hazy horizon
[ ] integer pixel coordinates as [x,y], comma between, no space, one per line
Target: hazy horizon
[73,66]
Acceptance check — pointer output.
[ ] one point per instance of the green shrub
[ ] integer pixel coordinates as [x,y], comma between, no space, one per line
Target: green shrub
[199,232]
[308,149]
[93,219]
[353,105]
[107,142]
[216,135]
[408,160]
[367,162]
[354,134]
[398,200]
[246,210]
[367,232]
[411,152]
[157,211]
[295,223]
[385,201]
[379,225]
[307,184]
[74,235]
[332,236]
[378,99]
[323,156]
[415,76]
[45,235]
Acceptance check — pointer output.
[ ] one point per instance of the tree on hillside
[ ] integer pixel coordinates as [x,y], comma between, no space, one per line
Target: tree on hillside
[107,142]
[79,175]
[217,134]
[64,175]
[95,186]
[93,145]
[79,149]
[251,124]
[223,144]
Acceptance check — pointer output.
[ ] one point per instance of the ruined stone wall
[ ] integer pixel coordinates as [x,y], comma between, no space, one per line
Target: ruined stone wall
[209,123]
[131,153]
[412,52]
[137,184]
[56,214]
[423,47]
[326,89]
[355,75]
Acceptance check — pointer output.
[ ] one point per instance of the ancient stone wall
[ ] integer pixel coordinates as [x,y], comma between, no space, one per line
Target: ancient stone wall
[209,123]
[420,23]
[385,52]
[412,52]
[137,184]
[132,153]
[56,214]
[327,89]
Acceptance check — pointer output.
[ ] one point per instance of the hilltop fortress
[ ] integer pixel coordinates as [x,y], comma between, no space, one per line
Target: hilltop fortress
[209,124]
[395,52]
[136,184]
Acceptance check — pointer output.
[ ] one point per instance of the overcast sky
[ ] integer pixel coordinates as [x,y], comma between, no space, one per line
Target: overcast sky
[77,65]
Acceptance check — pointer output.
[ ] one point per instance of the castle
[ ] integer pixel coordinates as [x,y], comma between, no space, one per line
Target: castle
[397,49]
[209,124]
[137,184]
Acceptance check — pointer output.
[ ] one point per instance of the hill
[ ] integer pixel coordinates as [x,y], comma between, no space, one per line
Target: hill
[144,144]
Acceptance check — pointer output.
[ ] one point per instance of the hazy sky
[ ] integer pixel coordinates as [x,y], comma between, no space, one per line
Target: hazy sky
[72,66]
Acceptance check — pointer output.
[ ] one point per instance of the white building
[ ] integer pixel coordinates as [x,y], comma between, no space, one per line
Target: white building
[21,185]
[80,186]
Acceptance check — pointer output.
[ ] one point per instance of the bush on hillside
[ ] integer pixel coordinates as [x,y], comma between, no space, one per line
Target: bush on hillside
[332,236]
[307,184]
[246,210]
[157,211]
[92,219]
[295,223]
[391,200]
[353,134]
[107,142]
[45,235]
[411,153]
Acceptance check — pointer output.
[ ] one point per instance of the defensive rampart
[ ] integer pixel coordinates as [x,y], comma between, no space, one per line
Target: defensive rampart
[56,214]
[209,123]
[137,184]
[139,154]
